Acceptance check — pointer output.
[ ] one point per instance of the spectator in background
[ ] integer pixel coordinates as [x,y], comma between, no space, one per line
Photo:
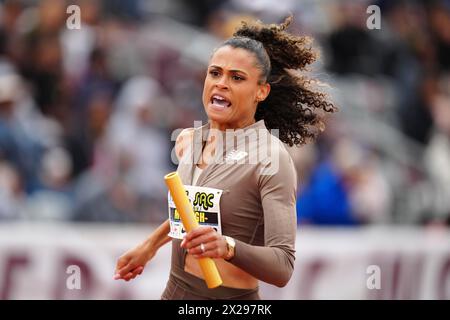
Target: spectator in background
[78,45]
[43,68]
[128,158]
[325,200]
[116,202]
[29,141]
[92,99]
[345,188]
[352,47]
[410,53]
[437,153]
[439,18]
[135,135]
[20,141]
[12,194]
[53,200]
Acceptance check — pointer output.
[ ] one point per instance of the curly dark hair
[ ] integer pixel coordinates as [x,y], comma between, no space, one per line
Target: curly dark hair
[294,106]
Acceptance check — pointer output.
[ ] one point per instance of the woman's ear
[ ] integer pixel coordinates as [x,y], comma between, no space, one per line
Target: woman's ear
[263,92]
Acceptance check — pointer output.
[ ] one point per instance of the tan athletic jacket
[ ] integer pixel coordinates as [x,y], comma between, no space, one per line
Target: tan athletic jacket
[258,201]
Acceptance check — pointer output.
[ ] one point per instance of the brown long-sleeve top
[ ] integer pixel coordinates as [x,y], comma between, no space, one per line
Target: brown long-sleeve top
[259,184]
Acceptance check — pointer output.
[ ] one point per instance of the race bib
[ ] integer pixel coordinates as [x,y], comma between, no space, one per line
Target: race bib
[205,202]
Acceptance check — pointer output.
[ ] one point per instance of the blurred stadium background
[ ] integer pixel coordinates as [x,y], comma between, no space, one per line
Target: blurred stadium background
[86,118]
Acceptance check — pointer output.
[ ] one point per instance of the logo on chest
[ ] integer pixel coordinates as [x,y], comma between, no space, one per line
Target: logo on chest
[235,155]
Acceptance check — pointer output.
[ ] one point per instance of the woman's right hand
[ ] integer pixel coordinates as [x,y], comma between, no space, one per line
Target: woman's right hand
[132,263]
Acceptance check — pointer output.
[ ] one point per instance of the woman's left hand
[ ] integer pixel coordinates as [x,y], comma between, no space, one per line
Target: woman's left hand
[206,238]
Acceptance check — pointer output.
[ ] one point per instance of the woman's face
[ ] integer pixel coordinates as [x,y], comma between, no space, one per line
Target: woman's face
[231,92]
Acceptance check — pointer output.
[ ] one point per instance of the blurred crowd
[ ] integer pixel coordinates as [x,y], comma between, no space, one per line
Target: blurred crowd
[87,115]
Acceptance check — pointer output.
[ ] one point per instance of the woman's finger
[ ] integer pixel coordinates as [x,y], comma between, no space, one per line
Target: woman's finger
[125,270]
[212,250]
[198,232]
[128,270]
[205,238]
[137,271]
[128,276]
[195,238]
[121,262]
[208,242]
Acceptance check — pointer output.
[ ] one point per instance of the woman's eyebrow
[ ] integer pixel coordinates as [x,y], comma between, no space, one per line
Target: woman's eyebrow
[234,70]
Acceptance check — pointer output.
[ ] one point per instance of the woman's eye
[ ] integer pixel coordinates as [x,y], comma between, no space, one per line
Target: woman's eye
[237,78]
[214,73]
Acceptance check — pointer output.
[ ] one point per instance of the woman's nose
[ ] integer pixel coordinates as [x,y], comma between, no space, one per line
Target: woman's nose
[222,83]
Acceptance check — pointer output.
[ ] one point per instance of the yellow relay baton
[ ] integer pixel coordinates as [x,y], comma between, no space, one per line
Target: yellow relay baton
[176,188]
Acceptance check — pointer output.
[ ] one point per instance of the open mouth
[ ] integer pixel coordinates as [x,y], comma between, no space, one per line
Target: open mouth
[220,102]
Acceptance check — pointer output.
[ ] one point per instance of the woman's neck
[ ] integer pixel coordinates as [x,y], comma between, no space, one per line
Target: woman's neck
[225,126]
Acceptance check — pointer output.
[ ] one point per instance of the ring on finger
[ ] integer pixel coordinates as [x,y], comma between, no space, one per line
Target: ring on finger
[202,247]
